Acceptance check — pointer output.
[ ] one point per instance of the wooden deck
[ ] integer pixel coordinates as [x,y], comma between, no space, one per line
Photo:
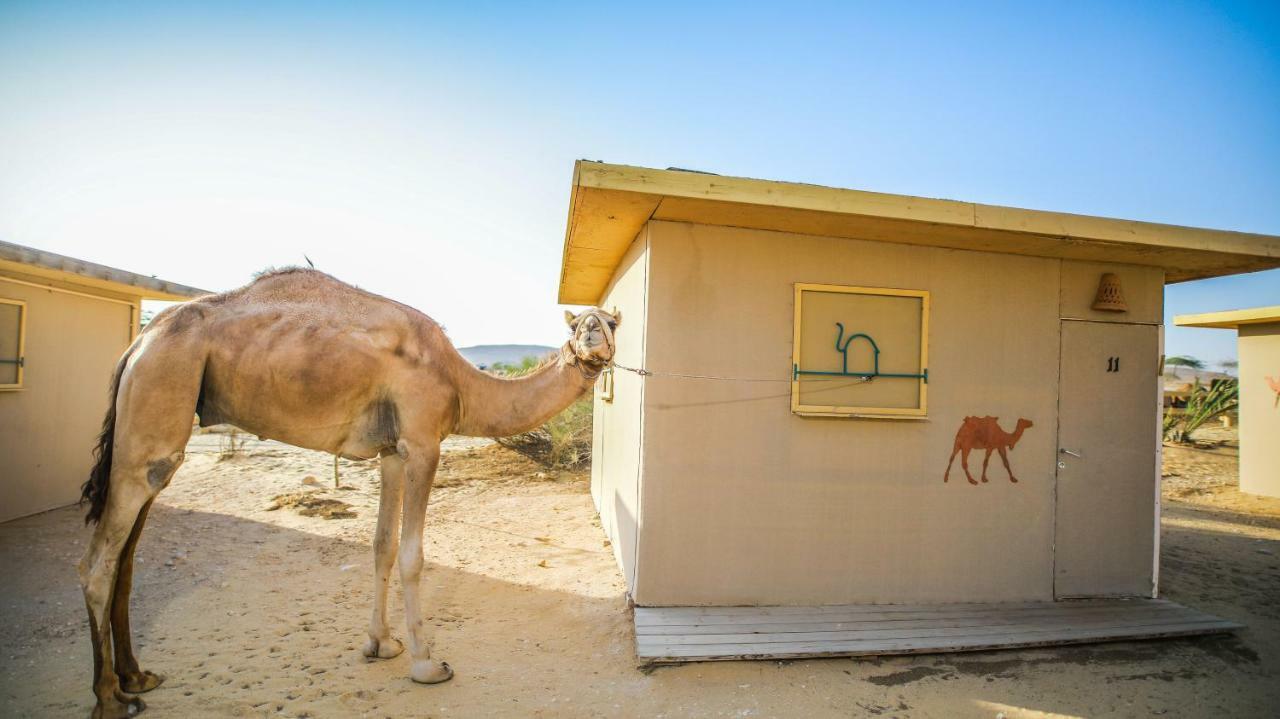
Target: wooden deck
[687,634]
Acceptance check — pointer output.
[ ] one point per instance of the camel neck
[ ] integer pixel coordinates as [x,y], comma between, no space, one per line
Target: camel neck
[1017,434]
[490,406]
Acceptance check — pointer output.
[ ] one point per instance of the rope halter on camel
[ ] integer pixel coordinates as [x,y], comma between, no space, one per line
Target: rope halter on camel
[572,353]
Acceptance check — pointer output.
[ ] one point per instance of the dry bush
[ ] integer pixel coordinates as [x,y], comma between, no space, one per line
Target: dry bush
[311,504]
[564,442]
[231,444]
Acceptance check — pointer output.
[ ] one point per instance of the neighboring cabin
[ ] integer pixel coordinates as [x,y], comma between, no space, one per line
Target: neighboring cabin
[63,325]
[1258,337]
[887,334]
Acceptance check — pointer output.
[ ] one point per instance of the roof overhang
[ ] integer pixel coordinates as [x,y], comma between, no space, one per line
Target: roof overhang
[1231,319]
[48,265]
[609,204]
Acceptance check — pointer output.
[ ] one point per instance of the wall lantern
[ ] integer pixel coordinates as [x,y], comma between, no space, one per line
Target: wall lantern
[1110,298]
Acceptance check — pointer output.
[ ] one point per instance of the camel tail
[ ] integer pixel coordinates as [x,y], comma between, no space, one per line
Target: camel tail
[94,491]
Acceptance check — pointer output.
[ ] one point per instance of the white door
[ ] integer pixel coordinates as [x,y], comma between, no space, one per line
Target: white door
[1108,407]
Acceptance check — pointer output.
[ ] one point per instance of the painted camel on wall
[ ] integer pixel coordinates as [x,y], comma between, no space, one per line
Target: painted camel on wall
[984,433]
[1274,384]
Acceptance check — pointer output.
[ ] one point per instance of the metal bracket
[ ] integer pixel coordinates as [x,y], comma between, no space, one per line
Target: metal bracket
[843,349]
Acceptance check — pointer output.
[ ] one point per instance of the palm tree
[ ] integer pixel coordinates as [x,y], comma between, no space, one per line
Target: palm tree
[1207,402]
[1183,361]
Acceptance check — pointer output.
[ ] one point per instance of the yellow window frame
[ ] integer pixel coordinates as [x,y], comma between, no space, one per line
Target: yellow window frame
[22,342]
[811,410]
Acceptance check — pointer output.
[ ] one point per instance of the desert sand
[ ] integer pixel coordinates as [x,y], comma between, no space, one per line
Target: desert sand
[253,609]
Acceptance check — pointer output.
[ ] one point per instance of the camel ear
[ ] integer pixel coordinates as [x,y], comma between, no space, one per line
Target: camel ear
[570,319]
[617,318]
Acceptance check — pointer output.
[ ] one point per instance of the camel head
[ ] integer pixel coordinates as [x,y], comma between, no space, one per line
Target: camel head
[592,341]
[1023,425]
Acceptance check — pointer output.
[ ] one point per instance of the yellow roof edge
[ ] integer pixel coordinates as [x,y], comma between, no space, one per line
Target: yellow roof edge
[609,204]
[1230,319]
[50,265]
[568,233]
[797,195]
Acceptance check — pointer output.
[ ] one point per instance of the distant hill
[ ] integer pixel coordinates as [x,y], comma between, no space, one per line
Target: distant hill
[1181,379]
[486,355]
[1188,374]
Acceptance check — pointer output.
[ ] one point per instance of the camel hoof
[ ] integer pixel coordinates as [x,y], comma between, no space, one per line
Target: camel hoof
[121,706]
[382,649]
[972,480]
[1013,479]
[143,681]
[429,671]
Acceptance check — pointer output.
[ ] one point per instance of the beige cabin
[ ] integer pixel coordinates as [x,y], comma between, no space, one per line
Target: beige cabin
[63,325]
[1258,337]
[817,355]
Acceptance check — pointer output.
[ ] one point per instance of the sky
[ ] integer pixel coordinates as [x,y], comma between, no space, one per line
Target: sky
[424,151]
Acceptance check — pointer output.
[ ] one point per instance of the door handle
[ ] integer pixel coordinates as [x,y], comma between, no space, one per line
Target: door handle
[1073,454]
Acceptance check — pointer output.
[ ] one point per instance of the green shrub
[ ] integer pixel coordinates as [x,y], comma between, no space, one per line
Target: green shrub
[1205,403]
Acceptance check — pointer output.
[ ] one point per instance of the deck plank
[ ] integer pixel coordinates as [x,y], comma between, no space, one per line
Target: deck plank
[705,615]
[744,624]
[678,634]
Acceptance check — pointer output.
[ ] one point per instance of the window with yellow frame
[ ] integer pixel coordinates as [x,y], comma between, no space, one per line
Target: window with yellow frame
[860,352]
[13,332]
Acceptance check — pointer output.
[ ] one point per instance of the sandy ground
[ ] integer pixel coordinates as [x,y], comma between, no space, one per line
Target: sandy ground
[251,611]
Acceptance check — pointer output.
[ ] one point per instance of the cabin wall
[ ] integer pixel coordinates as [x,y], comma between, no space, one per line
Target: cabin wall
[1259,409]
[49,426]
[747,503]
[617,424]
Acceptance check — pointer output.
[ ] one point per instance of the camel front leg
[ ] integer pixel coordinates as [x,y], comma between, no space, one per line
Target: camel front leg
[985,461]
[1004,457]
[386,541]
[419,473]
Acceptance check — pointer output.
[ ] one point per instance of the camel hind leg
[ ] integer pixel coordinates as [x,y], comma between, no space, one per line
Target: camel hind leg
[98,577]
[132,678]
[964,462]
[145,434]
[106,574]
[946,476]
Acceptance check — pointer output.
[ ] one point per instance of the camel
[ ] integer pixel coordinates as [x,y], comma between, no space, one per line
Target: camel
[1274,384]
[303,358]
[984,433]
